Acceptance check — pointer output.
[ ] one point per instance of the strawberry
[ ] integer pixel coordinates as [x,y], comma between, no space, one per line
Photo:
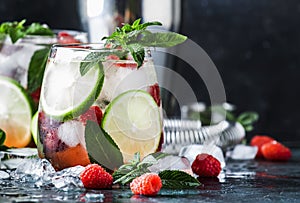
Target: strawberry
[275,151]
[259,141]
[155,93]
[206,165]
[66,38]
[95,177]
[147,184]
[130,65]
[94,113]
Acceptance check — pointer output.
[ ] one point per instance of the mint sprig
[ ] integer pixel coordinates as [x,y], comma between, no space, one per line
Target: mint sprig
[17,30]
[171,179]
[134,38]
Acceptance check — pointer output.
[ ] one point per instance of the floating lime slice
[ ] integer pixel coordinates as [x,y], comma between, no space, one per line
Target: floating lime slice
[15,113]
[133,121]
[66,93]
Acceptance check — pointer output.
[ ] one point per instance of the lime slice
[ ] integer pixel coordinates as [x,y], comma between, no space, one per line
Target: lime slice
[65,93]
[15,113]
[133,121]
[34,127]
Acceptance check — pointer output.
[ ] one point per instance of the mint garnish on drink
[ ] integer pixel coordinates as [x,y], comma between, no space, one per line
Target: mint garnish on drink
[17,30]
[133,39]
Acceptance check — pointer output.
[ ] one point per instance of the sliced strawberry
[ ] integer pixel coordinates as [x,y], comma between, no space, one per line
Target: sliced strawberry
[275,151]
[155,93]
[66,38]
[130,65]
[94,113]
[259,141]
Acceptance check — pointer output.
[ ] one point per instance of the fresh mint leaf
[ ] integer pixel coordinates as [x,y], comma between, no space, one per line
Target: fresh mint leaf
[36,69]
[162,39]
[94,58]
[38,29]
[2,137]
[175,179]
[101,147]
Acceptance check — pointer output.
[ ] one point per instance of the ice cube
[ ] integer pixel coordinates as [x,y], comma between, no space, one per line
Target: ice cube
[68,179]
[72,133]
[171,162]
[242,152]
[4,175]
[191,151]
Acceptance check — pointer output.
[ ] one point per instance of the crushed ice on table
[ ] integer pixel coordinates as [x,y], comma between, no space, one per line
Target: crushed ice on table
[68,178]
[40,173]
[242,152]
[171,162]
[37,171]
[191,151]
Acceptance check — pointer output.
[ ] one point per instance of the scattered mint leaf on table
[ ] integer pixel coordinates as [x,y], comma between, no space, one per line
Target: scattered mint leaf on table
[171,179]
[175,179]
[101,147]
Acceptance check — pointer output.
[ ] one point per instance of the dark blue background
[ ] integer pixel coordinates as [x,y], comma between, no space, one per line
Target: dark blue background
[254,44]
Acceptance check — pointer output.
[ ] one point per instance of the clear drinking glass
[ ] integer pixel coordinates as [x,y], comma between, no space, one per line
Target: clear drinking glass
[16,61]
[105,86]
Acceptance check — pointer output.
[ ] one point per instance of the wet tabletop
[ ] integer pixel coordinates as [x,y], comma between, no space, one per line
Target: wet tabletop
[241,181]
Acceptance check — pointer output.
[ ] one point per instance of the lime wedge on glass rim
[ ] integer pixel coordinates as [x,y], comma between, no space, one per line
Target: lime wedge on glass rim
[133,121]
[65,93]
[15,113]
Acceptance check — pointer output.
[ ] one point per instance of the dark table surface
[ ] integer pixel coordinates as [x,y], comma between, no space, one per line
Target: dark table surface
[241,181]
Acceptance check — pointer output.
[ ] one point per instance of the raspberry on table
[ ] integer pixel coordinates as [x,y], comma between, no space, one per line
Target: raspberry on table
[148,184]
[95,177]
[206,165]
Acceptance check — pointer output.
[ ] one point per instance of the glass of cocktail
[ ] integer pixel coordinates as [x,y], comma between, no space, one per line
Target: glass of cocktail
[88,85]
[22,63]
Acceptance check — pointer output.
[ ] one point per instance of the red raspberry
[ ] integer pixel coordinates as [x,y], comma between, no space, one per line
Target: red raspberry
[94,113]
[130,65]
[275,151]
[155,93]
[95,177]
[259,141]
[147,184]
[206,165]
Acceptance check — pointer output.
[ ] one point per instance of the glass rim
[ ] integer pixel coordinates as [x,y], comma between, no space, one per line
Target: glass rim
[90,47]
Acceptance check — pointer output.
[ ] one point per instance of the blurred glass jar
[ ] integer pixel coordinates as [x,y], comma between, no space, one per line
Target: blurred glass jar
[16,58]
